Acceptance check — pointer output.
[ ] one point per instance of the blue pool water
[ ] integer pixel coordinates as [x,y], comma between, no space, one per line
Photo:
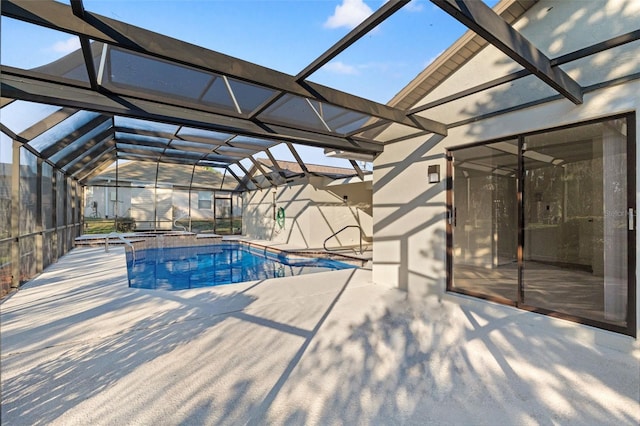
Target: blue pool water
[180,268]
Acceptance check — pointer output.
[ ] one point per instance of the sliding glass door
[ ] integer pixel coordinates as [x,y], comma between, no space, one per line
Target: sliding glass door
[575,221]
[545,221]
[485,220]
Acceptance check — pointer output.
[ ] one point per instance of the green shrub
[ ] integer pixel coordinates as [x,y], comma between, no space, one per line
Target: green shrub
[125,224]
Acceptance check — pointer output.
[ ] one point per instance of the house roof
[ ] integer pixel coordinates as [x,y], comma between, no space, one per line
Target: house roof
[176,175]
[294,168]
[455,57]
[265,173]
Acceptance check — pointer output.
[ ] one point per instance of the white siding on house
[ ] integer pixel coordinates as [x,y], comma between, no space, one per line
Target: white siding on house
[142,207]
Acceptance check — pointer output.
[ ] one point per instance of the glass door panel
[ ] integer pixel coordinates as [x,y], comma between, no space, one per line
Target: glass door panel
[236,214]
[485,220]
[222,216]
[575,221]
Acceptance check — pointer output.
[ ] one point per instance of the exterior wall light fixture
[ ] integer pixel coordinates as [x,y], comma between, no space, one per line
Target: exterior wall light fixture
[434,173]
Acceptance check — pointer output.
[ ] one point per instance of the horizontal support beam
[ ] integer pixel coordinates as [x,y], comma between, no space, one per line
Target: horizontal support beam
[184,157]
[60,17]
[123,155]
[358,104]
[588,89]
[212,143]
[561,60]
[301,137]
[130,156]
[35,90]
[160,146]
[472,90]
[210,163]
[482,20]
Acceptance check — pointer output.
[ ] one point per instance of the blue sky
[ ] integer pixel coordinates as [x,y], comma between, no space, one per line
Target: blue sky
[285,35]
[281,34]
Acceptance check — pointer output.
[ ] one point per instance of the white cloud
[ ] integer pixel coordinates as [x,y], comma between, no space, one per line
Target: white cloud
[348,14]
[433,58]
[66,46]
[381,68]
[338,67]
[414,6]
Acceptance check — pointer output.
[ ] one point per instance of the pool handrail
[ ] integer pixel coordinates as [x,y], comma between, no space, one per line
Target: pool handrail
[175,222]
[324,245]
[123,239]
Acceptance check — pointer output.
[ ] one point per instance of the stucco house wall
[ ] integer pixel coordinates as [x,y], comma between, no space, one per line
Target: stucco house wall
[313,211]
[409,214]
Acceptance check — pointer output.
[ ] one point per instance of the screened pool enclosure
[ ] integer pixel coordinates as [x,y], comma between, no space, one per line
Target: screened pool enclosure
[132,130]
[144,132]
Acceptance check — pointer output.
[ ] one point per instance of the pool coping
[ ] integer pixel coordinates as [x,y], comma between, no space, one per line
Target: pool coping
[306,253]
[183,240]
[141,240]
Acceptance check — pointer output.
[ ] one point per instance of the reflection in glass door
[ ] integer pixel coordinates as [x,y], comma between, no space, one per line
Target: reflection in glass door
[485,225]
[546,222]
[575,216]
[222,215]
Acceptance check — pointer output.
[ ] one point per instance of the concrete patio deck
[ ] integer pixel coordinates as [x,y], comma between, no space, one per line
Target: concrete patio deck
[80,347]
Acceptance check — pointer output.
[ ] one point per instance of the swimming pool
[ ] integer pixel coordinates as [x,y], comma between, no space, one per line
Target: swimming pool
[178,268]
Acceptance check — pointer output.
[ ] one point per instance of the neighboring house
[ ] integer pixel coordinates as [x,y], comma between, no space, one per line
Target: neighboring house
[316,203]
[149,194]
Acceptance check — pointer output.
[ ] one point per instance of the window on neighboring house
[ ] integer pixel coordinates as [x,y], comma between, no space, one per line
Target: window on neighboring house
[204,200]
